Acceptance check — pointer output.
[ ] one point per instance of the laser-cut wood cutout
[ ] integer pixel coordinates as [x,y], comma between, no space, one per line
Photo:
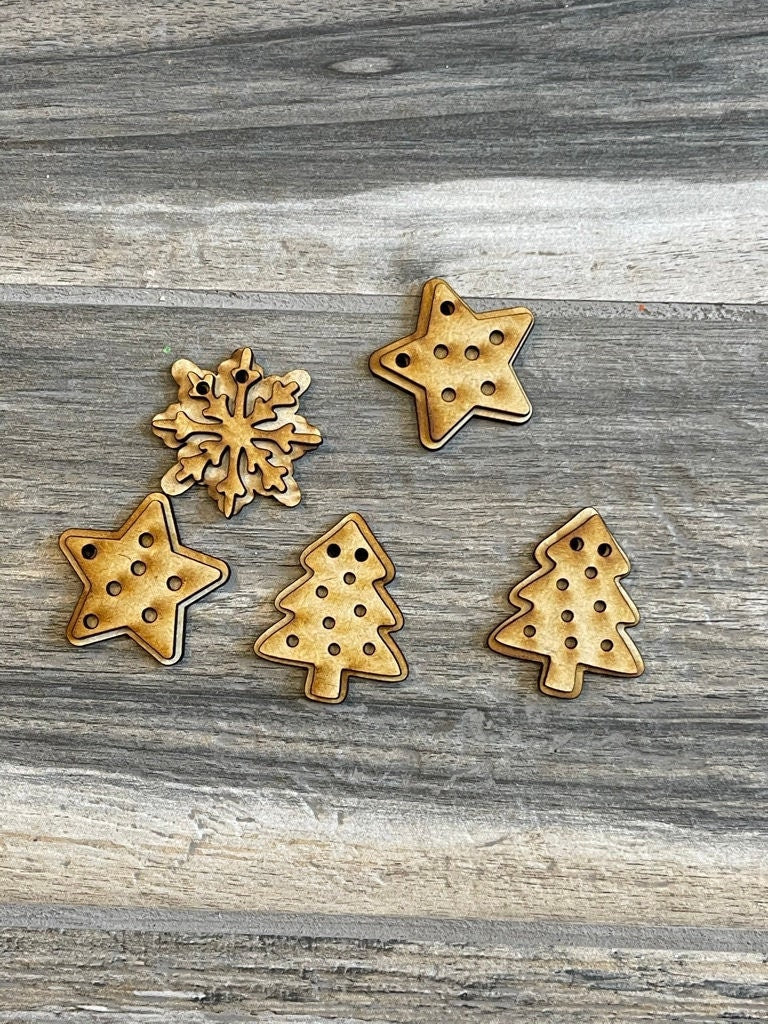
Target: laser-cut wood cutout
[138,581]
[237,432]
[458,364]
[339,616]
[572,612]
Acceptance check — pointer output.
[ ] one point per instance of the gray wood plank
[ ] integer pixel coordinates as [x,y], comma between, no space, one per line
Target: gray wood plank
[461,792]
[584,151]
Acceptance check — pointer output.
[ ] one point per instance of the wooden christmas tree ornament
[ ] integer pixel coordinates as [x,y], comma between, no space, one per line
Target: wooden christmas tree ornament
[236,431]
[339,616]
[458,364]
[572,612]
[138,581]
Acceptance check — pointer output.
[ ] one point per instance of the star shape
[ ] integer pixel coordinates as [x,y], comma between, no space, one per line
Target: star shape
[458,363]
[138,581]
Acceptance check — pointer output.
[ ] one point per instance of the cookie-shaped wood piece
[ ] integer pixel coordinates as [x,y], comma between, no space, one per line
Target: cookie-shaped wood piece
[339,616]
[138,581]
[573,612]
[237,432]
[458,364]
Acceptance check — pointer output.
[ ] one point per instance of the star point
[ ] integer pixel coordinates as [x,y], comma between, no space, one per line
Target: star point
[138,580]
[458,363]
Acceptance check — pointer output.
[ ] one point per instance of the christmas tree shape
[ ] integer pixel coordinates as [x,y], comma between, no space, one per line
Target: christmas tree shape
[572,612]
[339,616]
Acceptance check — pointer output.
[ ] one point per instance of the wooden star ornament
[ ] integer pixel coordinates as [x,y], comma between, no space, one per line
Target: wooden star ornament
[138,581]
[458,364]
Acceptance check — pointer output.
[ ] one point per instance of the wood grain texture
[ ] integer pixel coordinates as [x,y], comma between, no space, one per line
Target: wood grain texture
[613,150]
[461,792]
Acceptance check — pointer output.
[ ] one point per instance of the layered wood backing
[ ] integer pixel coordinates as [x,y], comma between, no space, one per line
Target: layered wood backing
[339,616]
[138,581]
[236,432]
[458,364]
[572,612]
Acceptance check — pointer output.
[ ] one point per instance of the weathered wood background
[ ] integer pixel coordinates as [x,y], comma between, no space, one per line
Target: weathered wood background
[199,842]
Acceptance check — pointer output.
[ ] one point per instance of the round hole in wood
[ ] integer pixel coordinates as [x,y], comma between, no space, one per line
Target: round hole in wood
[334,550]
[607,645]
[361,555]
[89,551]
[440,351]
[360,610]
[402,359]
[448,395]
[562,583]
[576,543]
[447,308]
[91,621]
[241,376]
[369,649]
[571,642]
[599,606]
[292,640]
[334,649]
[349,578]
[149,614]
[321,591]
[174,582]
[138,568]
[488,387]
[146,540]
[203,388]
[529,630]
[604,550]
[590,572]
[471,352]
[329,622]
[114,588]
[496,337]
[567,615]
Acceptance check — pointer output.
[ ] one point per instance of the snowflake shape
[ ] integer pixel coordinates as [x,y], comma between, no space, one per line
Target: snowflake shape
[236,431]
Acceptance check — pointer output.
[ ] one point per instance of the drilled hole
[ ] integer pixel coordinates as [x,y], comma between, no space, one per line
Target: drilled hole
[203,388]
[138,568]
[114,588]
[329,622]
[369,649]
[403,360]
[242,376]
[488,387]
[349,578]
[146,540]
[91,621]
[567,615]
[440,351]
[607,645]
[577,543]
[471,352]
[562,584]
[599,606]
[360,610]
[361,555]
[590,572]
[496,337]
[604,550]
[174,582]
[571,642]
[149,614]
[447,308]
[89,551]
[448,395]
[529,630]
[292,640]
[334,550]
[321,591]
[334,649]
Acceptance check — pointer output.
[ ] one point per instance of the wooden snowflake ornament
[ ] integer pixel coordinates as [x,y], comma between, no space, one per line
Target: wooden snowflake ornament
[573,612]
[339,616]
[458,364]
[236,431]
[138,581]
